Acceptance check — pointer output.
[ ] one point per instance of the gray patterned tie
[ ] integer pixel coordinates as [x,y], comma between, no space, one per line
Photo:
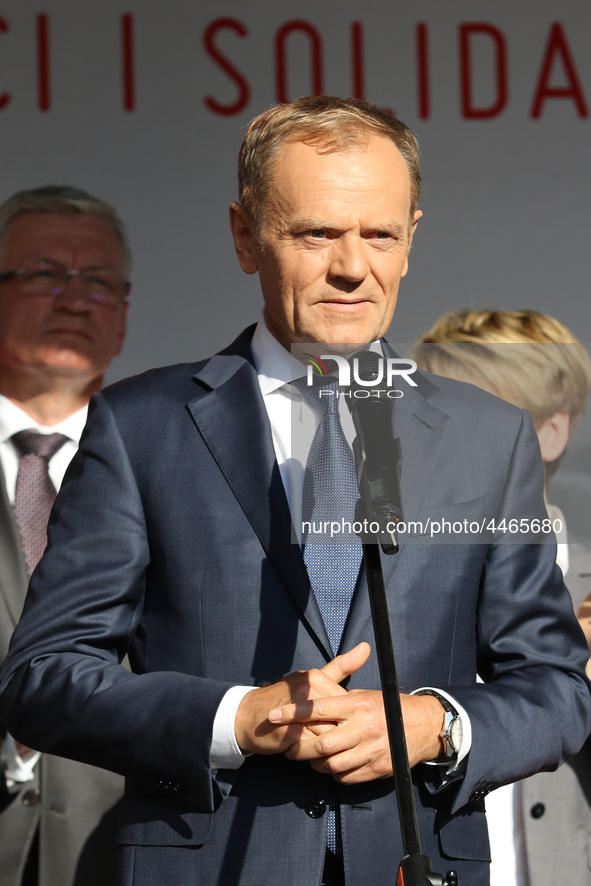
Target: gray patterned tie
[330,494]
[35,493]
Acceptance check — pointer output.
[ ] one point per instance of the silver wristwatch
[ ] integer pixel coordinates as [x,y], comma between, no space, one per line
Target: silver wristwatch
[453,731]
[452,735]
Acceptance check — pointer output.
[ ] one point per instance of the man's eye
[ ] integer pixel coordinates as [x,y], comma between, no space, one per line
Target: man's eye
[317,233]
[382,235]
[40,273]
[101,283]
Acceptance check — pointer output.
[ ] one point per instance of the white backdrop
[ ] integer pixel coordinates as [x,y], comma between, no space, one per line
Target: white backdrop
[144,103]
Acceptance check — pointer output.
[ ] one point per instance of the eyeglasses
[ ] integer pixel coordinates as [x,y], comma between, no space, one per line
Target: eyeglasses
[100,287]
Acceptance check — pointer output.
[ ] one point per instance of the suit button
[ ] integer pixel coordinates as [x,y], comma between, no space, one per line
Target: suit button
[477,798]
[170,787]
[31,798]
[537,810]
[316,808]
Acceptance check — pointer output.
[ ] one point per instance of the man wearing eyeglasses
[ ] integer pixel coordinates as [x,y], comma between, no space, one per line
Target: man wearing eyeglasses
[64,262]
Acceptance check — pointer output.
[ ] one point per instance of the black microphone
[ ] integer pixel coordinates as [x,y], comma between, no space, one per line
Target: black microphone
[376,450]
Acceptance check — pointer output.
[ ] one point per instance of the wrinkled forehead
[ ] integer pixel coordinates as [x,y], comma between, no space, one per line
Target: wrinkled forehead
[61,237]
[371,170]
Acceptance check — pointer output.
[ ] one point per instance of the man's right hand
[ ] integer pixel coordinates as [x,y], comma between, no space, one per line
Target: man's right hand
[256,735]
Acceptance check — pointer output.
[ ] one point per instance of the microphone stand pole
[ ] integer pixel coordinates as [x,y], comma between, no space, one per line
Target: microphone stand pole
[415,868]
[378,458]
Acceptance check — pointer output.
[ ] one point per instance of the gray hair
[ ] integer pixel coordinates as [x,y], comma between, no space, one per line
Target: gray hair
[63,200]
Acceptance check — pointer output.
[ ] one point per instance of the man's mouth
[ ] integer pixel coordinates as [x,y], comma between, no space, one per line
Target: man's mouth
[345,305]
[69,332]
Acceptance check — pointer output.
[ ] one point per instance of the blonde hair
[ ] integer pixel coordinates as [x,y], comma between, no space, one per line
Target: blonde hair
[331,123]
[527,358]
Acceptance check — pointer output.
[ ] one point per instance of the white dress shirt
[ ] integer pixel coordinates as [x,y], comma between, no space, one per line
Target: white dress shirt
[14,419]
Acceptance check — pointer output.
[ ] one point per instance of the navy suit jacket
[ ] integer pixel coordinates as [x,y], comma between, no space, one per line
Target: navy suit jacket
[170,541]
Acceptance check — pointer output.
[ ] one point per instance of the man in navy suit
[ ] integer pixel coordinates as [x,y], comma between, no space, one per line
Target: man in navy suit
[171,541]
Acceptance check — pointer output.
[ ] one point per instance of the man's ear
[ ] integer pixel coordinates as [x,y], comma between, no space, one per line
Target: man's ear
[418,214]
[244,236]
[553,436]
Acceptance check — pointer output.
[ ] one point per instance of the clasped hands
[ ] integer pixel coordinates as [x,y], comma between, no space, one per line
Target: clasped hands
[309,716]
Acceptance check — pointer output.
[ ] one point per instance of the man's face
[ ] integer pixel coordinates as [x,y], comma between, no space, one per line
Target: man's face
[66,333]
[336,242]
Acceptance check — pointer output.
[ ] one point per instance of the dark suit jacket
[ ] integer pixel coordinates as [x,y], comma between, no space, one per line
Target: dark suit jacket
[72,804]
[171,541]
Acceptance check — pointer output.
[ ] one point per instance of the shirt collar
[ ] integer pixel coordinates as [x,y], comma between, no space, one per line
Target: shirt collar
[14,419]
[273,362]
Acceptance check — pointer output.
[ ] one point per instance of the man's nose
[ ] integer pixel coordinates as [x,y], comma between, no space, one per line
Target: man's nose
[348,259]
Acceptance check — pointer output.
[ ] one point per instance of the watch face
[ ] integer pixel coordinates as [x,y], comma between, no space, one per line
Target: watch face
[456,734]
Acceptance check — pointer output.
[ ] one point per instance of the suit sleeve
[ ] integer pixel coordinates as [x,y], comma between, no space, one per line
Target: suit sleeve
[65,691]
[533,710]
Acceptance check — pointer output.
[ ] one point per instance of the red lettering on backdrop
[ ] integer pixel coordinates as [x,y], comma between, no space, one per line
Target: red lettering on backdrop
[233,73]
[558,48]
[281,61]
[43,86]
[357,60]
[466,33]
[423,71]
[5,97]
[128,62]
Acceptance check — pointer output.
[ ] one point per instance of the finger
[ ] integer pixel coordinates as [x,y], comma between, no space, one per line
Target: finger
[352,765]
[332,708]
[314,683]
[357,775]
[319,728]
[325,747]
[348,663]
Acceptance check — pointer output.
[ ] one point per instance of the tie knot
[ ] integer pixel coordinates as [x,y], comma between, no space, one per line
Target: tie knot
[43,445]
[323,393]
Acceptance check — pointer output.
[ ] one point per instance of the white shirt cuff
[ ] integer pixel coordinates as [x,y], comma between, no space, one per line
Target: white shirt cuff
[225,753]
[16,769]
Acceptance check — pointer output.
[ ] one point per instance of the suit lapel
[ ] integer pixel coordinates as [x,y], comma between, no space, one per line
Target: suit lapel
[227,411]
[13,572]
[229,408]
[421,428]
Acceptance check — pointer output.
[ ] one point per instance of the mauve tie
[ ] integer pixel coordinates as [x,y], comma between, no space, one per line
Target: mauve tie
[35,493]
